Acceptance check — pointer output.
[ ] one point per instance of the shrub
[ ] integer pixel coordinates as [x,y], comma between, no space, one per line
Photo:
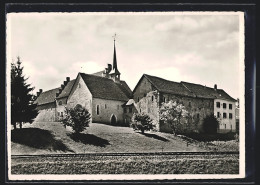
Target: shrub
[142,122]
[210,124]
[78,118]
[176,116]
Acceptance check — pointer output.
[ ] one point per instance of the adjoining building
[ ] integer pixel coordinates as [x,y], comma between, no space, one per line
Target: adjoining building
[102,93]
[200,101]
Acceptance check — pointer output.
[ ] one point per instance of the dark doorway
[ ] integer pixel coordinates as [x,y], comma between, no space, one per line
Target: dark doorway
[113,120]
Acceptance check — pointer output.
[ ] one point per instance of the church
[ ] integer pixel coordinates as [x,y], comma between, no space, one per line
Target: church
[110,100]
[103,94]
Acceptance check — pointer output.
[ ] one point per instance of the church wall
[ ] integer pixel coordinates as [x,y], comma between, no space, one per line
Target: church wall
[80,94]
[47,113]
[107,108]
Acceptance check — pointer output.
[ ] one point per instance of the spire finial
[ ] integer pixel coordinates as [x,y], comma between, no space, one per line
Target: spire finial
[114,36]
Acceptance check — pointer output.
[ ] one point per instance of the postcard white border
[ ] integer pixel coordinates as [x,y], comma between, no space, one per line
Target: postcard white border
[141,176]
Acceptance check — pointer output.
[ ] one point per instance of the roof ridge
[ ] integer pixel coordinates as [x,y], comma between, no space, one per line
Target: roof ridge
[96,76]
[50,90]
[162,78]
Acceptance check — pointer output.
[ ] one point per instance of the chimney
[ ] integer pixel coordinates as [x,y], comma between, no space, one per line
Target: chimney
[215,87]
[60,91]
[67,79]
[38,93]
[109,67]
[57,94]
[65,83]
[62,86]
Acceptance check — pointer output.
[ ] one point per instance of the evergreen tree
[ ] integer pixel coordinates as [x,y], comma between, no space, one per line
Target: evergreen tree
[22,107]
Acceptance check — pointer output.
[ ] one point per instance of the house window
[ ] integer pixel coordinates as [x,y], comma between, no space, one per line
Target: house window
[164,99]
[152,98]
[60,102]
[218,104]
[230,116]
[230,106]
[140,110]
[224,105]
[97,111]
[225,126]
[144,94]
[218,114]
[125,110]
[224,115]
[130,110]
[61,114]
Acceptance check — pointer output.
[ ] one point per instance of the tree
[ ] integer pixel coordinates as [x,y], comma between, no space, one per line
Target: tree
[171,113]
[142,122]
[22,107]
[210,124]
[78,118]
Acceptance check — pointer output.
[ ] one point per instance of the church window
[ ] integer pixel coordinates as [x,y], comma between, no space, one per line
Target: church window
[140,110]
[164,99]
[224,105]
[230,106]
[105,106]
[61,114]
[60,102]
[125,111]
[225,126]
[130,110]
[224,115]
[152,98]
[144,94]
[218,104]
[97,111]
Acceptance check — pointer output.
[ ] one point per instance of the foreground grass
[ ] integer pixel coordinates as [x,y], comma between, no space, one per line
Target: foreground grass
[128,165]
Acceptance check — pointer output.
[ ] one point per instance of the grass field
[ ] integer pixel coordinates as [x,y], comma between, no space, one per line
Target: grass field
[172,164]
[44,138]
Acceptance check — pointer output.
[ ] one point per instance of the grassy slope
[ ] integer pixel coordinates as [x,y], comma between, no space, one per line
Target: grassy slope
[97,138]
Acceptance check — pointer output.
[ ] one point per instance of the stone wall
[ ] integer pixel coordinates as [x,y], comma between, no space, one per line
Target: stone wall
[107,108]
[47,113]
[143,88]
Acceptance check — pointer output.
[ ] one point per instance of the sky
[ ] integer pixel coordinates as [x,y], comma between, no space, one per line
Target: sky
[192,47]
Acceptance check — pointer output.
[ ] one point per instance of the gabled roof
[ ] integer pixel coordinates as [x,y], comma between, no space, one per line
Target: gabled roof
[66,91]
[186,88]
[103,88]
[47,97]
[125,88]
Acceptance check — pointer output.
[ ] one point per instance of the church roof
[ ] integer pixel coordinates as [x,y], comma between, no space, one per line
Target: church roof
[103,88]
[125,88]
[66,91]
[47,97]
[186,89]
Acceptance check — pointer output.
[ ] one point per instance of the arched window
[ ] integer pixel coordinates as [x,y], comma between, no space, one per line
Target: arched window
[152,98]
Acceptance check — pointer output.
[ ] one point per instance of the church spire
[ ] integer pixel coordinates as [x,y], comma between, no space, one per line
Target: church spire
[115,74]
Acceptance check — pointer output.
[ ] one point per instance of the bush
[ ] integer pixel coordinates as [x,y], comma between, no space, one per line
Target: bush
[78,118]
[142,122]
[210,124]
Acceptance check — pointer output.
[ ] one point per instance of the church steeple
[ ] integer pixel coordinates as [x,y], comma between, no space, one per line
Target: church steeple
[115,74]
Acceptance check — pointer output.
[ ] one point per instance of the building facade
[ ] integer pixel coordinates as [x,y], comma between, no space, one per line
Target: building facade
[200,101]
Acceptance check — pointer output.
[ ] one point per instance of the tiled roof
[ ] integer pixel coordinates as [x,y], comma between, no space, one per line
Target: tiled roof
[125,88]
[187,89]
[66,91]
[47,97]
[103,88]
[98,73]
[167,86]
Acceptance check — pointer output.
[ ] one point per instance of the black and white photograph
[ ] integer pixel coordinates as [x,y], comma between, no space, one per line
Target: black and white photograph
[125,95]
